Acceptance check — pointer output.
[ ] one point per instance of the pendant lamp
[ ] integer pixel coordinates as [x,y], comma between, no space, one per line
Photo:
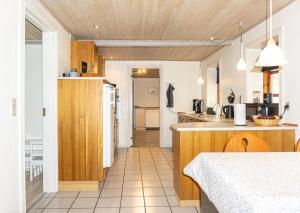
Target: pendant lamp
[200,78]
[271,55]
[241,65]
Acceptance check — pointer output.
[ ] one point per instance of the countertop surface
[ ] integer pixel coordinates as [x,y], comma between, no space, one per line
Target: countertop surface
[220,123]
[205,118]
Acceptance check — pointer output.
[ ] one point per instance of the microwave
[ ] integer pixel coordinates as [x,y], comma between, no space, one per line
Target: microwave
[255,109]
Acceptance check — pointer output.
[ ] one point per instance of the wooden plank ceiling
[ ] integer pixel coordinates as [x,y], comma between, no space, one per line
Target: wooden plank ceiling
[32,33]
[158,20]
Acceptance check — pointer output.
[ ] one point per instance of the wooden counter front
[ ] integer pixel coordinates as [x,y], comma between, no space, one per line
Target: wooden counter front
[188,144]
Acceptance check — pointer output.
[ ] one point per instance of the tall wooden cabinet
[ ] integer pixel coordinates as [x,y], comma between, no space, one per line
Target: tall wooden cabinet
[80,134]
[86,52]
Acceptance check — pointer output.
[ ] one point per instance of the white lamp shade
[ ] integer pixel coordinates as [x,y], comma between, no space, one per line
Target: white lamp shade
[241,65]
[200,80]
[271,55]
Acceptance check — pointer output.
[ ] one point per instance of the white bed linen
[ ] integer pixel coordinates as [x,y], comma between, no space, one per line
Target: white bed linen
[249,182]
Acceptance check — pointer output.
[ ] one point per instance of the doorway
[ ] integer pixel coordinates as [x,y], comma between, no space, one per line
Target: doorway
[146,107]
[33,114]
[213,85]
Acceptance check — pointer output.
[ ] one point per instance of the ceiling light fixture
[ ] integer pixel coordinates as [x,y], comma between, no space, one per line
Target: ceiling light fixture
[96,26]
[271,55]
[241,65]
[200,79]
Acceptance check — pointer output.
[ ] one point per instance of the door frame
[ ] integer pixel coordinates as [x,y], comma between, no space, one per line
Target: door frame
[49,71]
[130,101]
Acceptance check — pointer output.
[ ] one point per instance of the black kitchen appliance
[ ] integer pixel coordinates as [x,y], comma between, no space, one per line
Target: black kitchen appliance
[198,105]
[228,111]
[261,109]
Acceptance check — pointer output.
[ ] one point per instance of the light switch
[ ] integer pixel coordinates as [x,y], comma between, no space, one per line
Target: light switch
[14,106]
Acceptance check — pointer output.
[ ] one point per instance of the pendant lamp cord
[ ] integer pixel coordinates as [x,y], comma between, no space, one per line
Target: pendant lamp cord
[271,19]
[241,28]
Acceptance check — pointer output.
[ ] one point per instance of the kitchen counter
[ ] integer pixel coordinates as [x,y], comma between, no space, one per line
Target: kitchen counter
[210,134]
[225,125]
[192,117]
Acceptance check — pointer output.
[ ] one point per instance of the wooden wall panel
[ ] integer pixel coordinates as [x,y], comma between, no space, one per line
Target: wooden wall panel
[80,130]
[187,145]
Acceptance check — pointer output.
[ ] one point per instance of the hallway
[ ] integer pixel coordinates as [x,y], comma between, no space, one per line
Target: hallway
[141,180]
[146,138]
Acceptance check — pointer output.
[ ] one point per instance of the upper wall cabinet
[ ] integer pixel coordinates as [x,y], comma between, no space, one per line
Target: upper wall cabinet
[85,58]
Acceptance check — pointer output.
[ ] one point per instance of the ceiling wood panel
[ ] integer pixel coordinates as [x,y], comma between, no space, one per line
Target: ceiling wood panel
[157,53]
[32,33]
[159,20]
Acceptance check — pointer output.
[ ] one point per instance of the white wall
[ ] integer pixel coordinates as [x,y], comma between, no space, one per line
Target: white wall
[288,20]
[33,91]
[141,94]
[211,81]
[183,75]
[12,134]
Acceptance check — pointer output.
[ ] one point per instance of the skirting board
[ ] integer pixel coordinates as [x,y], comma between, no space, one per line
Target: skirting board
[65,186]
[184,203]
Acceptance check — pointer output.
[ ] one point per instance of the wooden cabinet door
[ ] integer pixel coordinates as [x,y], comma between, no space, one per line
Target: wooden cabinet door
[83,51]
[80,130]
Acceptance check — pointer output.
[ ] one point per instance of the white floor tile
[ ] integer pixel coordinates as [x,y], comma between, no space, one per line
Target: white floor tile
[154,192]
[60,203]
[156,201]
[133,210]
[158,210]
[89,194]
[151,184]
[67,194]
[84,203]
[113,185]
[111,193]
[173,201]
[132,192]
[55,210]
[184,210]
[109,202]
[81,211]
[132,202]
[107,210]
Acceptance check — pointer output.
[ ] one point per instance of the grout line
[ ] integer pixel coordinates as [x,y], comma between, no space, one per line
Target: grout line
[73,201]
[123,182]
[161,181]
[100,191]
[142,179]
[49,202]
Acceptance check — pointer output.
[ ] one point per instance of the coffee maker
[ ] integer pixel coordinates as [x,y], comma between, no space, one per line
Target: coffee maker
[266,106]
[228,110]
[198,105]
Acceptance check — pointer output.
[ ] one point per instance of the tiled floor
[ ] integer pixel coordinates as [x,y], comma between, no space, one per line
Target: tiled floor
[146,138]
[141,180]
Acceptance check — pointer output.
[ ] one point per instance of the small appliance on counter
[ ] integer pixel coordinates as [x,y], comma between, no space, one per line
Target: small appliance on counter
[211,111]
[259,108]
[73,73]
[228,111]
[198,105]
[240,114]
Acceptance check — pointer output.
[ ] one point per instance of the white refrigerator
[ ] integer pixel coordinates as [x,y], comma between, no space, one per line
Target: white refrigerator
[108,124]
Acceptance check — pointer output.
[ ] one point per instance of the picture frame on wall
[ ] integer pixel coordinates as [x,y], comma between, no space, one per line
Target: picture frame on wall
[153,91]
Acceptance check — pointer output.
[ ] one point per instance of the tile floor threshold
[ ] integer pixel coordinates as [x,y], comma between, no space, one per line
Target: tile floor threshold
[140,181]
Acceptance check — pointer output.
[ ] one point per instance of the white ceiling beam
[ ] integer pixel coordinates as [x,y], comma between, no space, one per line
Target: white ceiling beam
[161,43]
